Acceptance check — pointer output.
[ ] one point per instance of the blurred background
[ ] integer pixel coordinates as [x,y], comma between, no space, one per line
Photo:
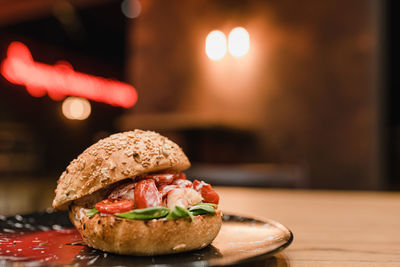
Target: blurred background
[258,93]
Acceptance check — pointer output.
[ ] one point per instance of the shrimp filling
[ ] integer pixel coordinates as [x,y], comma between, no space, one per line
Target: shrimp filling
[165,189]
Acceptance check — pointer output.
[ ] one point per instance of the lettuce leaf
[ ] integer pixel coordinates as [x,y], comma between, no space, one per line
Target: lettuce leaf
[145,214]
[179,212]
[92,212]
[202,208]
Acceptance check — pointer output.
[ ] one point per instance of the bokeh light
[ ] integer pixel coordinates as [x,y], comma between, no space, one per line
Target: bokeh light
[76,108]
[238,42]
[216,45]
[131,8]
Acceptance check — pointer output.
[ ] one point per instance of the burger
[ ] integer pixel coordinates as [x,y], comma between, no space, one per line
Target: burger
[127,194]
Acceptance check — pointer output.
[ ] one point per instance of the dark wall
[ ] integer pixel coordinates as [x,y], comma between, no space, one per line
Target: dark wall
[310,89]
[92,39]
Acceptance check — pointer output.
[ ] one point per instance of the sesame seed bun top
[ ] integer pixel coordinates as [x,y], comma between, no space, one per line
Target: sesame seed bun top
[115,158]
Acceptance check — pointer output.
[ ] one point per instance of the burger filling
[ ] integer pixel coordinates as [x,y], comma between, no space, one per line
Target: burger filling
[167,194]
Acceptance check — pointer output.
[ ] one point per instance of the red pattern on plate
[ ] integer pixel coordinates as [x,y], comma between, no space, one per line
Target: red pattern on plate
[45,247]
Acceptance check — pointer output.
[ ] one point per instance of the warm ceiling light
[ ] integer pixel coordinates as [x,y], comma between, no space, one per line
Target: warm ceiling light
[238,42]
[216,45]
[76,108]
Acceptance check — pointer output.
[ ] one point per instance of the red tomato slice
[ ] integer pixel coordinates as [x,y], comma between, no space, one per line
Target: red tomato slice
[209,195]
[162,178]
[146,194]
[206,191]
[112,206]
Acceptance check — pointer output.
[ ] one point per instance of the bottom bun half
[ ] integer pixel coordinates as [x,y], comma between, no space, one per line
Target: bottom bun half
[153,237]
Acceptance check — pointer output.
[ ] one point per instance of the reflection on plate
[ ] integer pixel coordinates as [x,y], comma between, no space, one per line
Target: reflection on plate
[48,239]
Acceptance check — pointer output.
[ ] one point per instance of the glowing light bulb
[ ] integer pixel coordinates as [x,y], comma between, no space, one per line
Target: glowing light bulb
[216,45]
[239,42]
[76,108]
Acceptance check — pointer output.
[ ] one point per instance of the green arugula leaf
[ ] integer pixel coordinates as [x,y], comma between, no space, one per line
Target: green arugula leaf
[145,214]
[209,204]
[179,212]
[92,212]
[202,209]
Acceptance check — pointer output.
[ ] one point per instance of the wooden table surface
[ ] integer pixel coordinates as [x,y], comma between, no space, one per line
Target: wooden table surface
[331,228]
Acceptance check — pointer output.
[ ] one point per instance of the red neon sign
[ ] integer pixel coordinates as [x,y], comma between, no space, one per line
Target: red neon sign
[61,80]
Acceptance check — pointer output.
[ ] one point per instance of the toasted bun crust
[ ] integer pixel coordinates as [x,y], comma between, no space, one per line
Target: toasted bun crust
[152,237]
[115,158]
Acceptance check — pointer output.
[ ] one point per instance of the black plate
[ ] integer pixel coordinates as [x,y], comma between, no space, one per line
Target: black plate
[47,239]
